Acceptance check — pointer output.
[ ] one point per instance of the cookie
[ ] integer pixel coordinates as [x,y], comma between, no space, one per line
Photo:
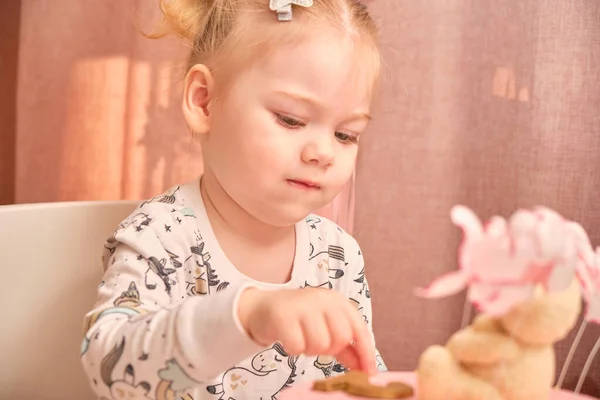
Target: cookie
[357,384]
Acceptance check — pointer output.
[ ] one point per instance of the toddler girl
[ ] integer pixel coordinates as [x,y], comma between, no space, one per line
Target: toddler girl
[228,287]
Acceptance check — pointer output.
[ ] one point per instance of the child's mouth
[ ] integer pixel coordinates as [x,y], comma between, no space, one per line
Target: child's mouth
[307,185]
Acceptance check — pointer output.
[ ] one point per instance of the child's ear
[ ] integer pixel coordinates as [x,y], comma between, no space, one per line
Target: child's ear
[198,91]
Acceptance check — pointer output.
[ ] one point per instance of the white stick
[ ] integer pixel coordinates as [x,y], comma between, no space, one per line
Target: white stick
[587,366]
[466,317]
[565,367]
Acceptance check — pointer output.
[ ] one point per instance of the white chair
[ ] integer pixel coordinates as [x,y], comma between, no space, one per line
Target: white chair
[50,260]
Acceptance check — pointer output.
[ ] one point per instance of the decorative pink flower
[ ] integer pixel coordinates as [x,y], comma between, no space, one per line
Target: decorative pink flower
[592,296]
[588,274]
[501,263]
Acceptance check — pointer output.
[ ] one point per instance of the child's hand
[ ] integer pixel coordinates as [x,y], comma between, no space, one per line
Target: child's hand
[309,321]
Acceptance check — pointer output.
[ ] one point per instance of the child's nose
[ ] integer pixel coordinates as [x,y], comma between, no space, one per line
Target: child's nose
[319,151]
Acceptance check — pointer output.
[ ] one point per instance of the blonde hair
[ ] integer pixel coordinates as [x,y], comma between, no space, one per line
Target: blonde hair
[224,34]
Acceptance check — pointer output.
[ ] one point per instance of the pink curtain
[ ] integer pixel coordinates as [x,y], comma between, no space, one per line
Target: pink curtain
[492,104]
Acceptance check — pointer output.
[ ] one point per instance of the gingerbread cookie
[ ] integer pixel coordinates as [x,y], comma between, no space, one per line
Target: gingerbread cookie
[357,384]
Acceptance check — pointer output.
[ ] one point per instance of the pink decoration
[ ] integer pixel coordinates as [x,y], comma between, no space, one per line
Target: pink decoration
[589,277]
[500,263]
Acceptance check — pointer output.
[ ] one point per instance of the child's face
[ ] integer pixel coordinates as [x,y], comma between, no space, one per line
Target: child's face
[283,139]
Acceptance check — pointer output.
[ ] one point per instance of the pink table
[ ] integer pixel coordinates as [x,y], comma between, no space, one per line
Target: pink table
[302,391]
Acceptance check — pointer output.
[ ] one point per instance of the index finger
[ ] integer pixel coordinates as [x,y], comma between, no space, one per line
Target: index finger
[363,344]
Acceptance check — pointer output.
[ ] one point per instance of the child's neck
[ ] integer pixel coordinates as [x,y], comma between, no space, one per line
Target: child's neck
[225,214]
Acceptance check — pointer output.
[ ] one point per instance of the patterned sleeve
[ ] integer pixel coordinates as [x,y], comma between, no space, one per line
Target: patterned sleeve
[145,338]
[359,291]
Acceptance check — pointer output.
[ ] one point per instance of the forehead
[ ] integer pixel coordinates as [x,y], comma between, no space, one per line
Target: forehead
[330,65]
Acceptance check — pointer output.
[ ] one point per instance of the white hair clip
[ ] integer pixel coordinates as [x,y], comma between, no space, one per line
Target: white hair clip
[284,7]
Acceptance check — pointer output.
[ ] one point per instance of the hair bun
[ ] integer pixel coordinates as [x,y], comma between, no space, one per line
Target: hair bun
[180,17]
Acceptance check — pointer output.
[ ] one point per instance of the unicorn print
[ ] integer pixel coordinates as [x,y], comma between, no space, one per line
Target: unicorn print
[325,285]
[129,298]
[205,276]
[139,220]
[174,382]
[160,270]
[124,388]
[271,368]
[333,261]
[174,259]
[166,198]
[363,282]
[127,304]
[325,364]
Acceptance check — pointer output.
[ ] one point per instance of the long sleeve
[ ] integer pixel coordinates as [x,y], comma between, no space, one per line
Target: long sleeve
[359,292]
[149,334]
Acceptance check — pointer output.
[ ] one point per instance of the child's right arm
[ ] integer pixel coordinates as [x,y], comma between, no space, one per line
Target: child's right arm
[145,335]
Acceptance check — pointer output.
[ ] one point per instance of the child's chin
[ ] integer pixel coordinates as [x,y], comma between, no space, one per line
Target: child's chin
[286,215]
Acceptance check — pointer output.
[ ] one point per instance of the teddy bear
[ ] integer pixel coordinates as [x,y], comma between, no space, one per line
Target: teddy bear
[508,357]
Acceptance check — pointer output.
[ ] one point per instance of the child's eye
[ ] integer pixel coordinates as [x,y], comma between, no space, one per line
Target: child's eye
[289,122]
[345,138]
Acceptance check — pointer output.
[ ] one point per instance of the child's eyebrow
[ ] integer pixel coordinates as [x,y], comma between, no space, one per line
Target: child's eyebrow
[304,98]
[359,116]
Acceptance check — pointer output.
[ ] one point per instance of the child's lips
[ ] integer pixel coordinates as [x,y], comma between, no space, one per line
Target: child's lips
[304,184]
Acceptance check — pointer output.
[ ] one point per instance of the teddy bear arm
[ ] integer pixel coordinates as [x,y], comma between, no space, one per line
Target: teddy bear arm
[440,377]
[470,346]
